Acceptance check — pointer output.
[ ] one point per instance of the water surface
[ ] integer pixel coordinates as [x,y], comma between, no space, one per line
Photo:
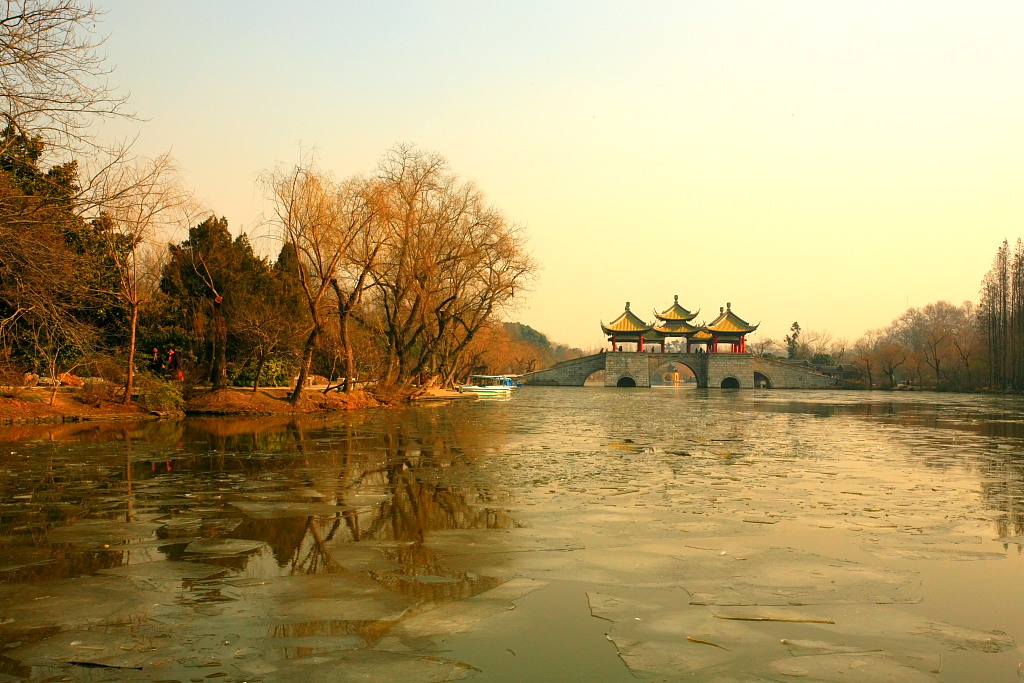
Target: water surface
[565,534]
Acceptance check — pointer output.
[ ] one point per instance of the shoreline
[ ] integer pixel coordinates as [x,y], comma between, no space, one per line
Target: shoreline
[32,405]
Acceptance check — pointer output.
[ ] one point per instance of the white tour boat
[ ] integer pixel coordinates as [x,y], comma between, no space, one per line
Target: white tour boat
[490,385]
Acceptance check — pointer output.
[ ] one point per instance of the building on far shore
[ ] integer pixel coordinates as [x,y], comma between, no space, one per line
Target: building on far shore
[676,322]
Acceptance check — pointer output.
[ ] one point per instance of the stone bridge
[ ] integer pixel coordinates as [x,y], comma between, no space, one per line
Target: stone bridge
[725,370]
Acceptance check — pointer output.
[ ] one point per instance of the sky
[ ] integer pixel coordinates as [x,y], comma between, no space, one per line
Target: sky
[828,163]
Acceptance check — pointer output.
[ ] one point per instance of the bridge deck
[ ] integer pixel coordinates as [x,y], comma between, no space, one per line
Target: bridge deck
[629,368]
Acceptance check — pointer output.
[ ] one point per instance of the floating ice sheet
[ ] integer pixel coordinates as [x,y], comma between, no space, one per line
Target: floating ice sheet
[102,532]
[283,509]
[783,576]
[876,667]
[223,547]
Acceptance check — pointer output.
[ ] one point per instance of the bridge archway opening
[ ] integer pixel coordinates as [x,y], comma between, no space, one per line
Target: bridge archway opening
[595,379]
[673,374]
[626,381]
[730,383]
[762,381]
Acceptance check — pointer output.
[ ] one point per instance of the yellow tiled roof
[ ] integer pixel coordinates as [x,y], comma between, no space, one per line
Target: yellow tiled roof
[700,335]
[627,322]
[676,312]
[729,323]
[675,327]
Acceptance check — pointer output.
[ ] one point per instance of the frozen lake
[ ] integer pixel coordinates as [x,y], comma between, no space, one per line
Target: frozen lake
[593,534]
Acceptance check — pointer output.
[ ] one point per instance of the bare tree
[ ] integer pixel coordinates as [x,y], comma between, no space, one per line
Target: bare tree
[266,328]
[761,346]
[449,262]
[891,355]
[141,201]
[321,220]
[59,340]
[53,80]
[362,205]
[966,340]
[865,355]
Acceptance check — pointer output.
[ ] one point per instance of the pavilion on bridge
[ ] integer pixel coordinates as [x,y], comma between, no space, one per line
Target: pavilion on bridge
[676,322]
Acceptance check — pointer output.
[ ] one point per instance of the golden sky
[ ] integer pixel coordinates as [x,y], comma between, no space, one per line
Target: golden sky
[830,163]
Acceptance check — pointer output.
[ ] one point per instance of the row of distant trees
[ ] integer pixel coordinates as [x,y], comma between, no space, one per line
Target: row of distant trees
[935,346]
[393,277]
[944,346]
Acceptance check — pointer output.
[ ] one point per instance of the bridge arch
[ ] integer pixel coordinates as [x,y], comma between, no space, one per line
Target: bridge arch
[626,381]
[762,381]
[671,372]
[730,382]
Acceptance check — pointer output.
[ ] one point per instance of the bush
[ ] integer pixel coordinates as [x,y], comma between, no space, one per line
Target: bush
[14,381]
[158,395]
[277,372]
[95,393]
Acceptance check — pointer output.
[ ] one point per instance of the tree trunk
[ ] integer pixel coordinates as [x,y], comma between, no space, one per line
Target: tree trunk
[307,359]
[343,336]
[259,369]
[129,384]
[220,347]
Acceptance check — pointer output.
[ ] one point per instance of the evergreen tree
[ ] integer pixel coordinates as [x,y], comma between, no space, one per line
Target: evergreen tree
[208,277]
[793,341]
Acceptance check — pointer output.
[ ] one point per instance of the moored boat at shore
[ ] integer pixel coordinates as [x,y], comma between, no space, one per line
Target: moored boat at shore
[490,386]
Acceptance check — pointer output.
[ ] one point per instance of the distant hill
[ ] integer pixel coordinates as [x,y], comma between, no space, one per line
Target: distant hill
[548,353]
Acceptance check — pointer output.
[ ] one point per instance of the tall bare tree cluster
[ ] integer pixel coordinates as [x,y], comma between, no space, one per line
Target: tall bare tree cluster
[414,257]
[1001,316]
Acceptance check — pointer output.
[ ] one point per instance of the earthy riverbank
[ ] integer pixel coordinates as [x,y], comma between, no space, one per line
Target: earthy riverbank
[273,401]
[34,405]
[69,405]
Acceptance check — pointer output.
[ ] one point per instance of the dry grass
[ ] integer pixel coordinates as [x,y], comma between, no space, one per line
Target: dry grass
[271,401]
[32,405]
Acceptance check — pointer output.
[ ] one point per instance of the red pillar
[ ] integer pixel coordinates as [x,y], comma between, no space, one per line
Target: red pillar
[614,347]
[640,347]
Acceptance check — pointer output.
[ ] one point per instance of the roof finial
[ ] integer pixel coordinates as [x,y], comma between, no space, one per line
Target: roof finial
[721,310]
[627,305]
[728,305]
[677,298]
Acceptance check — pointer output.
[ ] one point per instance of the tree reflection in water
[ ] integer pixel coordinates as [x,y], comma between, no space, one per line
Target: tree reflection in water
[314,486]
